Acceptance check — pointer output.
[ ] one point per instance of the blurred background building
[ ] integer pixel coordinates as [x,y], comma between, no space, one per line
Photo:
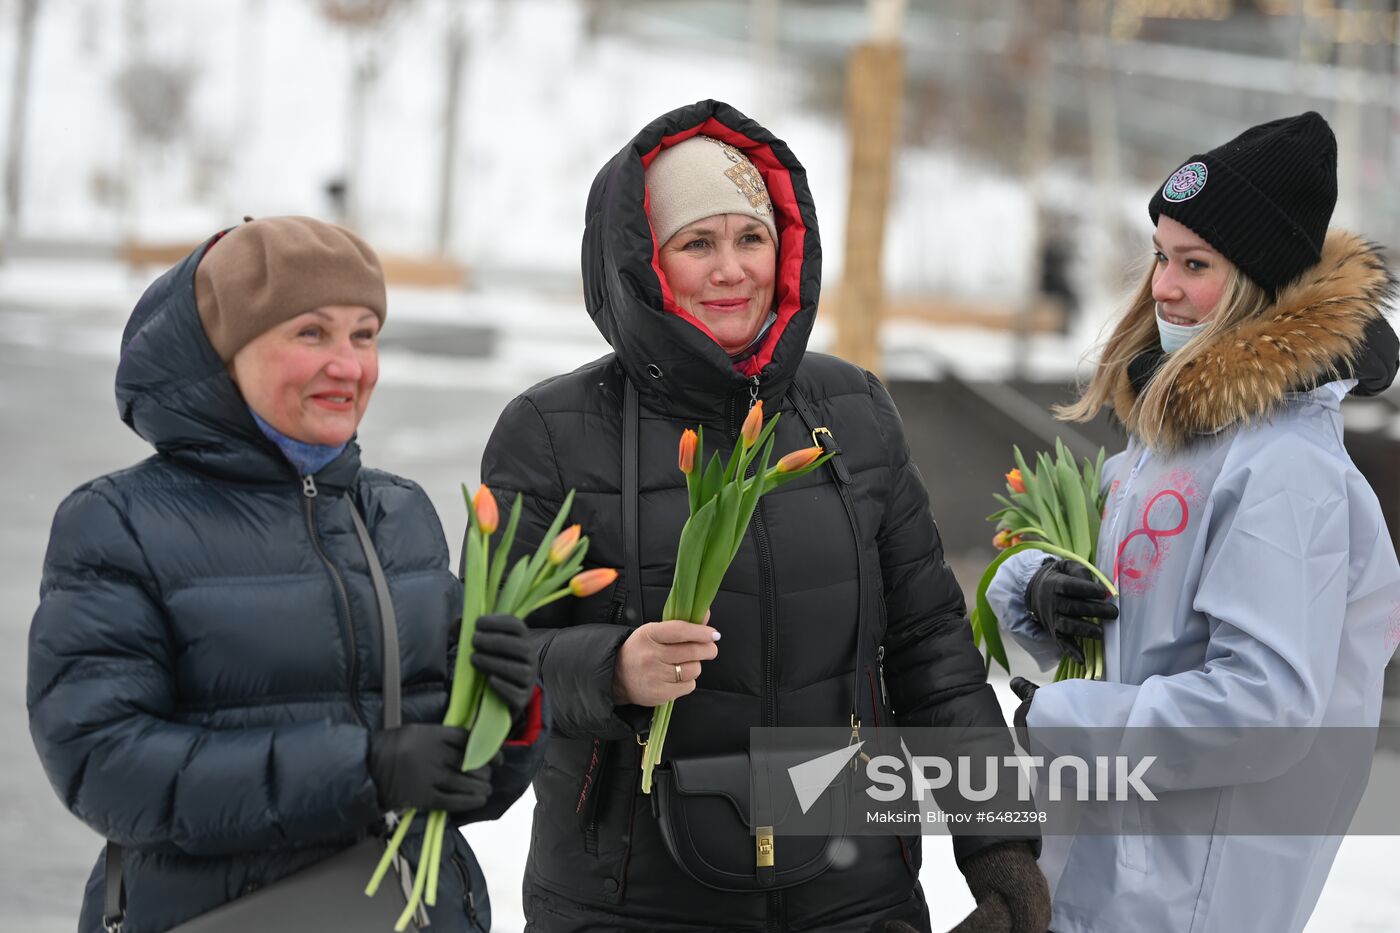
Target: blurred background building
[981,170]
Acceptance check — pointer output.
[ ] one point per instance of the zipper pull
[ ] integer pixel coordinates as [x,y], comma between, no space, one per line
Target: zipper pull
[753,391]
[308,486]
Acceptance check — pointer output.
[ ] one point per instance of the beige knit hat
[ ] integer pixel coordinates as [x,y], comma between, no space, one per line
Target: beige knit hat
[702,177]
[268,271]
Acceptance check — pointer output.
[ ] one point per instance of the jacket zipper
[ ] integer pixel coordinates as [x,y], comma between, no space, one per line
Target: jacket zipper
[768,620]
[309,493]
[765,576]
[880,665]
[468,895]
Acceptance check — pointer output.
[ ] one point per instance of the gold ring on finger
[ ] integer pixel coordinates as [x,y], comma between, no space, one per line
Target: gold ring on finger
[678,673]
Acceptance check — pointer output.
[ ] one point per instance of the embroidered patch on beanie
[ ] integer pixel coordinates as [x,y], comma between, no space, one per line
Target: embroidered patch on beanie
[746,178]
[1186,182]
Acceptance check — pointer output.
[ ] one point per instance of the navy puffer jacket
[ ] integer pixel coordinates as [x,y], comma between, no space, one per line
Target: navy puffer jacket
[205,667]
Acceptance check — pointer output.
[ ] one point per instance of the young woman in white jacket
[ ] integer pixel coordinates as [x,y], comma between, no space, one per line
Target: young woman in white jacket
[1258,584]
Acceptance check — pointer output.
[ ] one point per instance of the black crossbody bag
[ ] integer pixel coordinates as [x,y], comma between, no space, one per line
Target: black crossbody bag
[715,814]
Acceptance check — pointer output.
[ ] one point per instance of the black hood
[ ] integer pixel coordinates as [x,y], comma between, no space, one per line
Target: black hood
[175,392]
[677,367]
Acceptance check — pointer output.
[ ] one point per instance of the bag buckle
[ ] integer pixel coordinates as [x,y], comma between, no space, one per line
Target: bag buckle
[763,847]
[112,924]
[816,441]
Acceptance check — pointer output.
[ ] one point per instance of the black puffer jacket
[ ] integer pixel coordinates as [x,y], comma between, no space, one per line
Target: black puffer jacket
[205,666]
[788,607]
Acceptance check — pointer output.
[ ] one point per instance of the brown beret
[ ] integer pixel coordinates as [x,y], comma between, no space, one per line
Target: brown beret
[272,269]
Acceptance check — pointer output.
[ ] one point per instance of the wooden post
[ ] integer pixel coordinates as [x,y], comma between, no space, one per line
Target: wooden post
[452,105]
[874,89]
[19,110]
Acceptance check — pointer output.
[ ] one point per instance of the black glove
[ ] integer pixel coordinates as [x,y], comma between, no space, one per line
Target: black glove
[503,650]
[420,765]
[1008,873]
[1025,692]
[1062,596]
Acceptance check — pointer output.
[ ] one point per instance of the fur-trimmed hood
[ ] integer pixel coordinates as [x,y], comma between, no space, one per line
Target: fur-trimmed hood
[1327,324]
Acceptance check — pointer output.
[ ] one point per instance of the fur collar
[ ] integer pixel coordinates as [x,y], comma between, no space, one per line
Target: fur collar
[1314,329]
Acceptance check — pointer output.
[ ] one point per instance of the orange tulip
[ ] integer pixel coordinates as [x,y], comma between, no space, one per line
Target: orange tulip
[798,459]
[1002,539]
[592,581]
[488,517]
[564,544]
[689,440]
[753,425]
[1015,540]
[1014,480]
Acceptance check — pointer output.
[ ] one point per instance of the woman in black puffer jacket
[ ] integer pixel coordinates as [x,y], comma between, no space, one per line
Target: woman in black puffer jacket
[707,293]
[205,665]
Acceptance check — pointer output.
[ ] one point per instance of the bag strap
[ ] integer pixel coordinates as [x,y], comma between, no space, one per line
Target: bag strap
[633,610]
[388,624]
[114,895]
[823,438]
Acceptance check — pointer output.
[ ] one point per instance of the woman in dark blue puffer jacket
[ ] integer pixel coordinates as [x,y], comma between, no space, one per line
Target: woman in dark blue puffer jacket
[205,664]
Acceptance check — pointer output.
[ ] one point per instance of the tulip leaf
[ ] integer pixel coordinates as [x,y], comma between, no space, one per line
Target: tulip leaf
[503,546]
[541,555]
[694,538]
[488,732]
[519,578]
[748,501]
[710,483]
[1052,519]
[716,557]
[1072,496]
[732,467]
[465,678]
[1033,484]
[1093,493]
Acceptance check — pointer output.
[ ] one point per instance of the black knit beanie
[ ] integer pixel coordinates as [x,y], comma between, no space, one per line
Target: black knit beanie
[1263,199]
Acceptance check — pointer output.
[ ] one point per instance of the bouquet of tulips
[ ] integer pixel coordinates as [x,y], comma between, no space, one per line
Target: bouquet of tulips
[722,501]
[1054,508]
[551,573]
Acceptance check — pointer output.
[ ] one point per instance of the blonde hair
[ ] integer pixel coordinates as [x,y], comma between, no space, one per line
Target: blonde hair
[1240,300]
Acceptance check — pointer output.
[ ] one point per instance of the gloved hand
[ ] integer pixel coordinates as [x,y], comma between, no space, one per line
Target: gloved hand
[503,650]
[1025,692]
[1062,596]
[420,765]
[1012,894]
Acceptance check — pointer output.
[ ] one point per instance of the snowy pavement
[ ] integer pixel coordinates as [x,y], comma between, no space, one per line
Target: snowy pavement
[445,378]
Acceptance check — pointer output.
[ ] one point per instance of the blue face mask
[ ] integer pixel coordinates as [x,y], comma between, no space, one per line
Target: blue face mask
[1175,336]
[307,458]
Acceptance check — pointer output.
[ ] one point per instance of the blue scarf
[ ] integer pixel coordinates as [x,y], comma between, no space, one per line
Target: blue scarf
[307,458]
